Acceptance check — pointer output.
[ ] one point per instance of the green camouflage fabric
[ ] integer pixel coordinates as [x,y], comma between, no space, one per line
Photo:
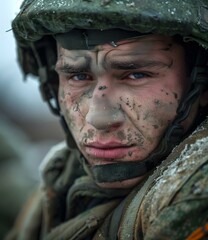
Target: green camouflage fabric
[38,18]
[175,205]
[62,208]
[177,202]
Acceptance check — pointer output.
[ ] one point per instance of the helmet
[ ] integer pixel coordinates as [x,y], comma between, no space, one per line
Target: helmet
[39,21]
[39,18]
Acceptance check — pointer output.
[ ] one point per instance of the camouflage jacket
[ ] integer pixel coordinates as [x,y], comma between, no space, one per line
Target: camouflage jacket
[171,204]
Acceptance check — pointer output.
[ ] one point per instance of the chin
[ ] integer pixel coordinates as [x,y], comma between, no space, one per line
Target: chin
[130,183]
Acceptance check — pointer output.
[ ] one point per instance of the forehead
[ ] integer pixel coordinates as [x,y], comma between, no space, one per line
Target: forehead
[143,45]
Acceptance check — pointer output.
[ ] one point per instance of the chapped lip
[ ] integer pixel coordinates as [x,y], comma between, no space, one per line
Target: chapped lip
[106,145]
[109,150]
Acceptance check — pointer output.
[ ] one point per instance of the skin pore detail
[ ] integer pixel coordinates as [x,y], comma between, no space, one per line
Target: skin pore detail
[119,101]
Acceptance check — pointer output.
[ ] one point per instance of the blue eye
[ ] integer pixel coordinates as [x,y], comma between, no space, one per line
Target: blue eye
[80,77]
[137,75]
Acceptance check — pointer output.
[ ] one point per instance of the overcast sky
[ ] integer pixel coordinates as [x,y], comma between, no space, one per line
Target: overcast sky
[19,96]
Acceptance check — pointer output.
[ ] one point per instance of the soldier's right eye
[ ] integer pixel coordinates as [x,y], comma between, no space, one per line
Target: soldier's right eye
[137,75]
[80,77]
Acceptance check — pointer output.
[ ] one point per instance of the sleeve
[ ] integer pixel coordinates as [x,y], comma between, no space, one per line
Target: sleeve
[186,217]
[32,219]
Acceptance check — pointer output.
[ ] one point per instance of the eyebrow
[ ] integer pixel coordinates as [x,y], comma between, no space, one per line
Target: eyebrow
[112,64]
[73,68]
[130,65]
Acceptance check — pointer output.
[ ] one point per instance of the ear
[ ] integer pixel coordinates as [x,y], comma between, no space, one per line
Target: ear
[204,98]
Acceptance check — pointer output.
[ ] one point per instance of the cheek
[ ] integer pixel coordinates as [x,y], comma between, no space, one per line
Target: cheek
[74,108]
[151,115]
[67,104]
[159,113]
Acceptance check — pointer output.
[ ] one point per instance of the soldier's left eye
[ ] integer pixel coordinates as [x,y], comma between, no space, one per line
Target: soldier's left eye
[137,75]
[80,77]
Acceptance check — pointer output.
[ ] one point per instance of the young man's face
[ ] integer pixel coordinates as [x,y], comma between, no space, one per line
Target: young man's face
[118,101]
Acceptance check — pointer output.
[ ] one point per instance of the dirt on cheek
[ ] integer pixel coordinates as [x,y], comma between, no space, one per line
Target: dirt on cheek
[154,120]
[132,106]
[159,104]
[89,135]
[135,137]
[121,135]
[78,103]
[129,103]
[175,95]
[161,114]
[130,153]
[70,119]
[139,139]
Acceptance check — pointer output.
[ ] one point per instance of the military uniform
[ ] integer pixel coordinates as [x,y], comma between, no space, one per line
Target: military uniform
[171,201]
[170,204]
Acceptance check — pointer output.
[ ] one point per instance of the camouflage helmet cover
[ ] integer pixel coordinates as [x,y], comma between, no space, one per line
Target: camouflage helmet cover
[188,18]
[39,19]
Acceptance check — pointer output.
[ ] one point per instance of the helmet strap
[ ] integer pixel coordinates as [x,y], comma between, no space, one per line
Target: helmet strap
[173,135]
[49,94]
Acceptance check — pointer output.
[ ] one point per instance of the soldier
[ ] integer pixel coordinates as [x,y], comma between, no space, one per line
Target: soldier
[128,80]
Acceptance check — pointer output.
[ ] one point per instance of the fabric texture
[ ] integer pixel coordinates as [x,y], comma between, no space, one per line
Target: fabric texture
[185,17]
[70,206]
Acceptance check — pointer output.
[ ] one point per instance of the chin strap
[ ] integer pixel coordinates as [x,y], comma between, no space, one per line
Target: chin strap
[49,94]
[129,170]
[173,135]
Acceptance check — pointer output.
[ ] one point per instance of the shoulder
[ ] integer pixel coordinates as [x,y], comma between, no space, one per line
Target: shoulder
[173,209]
[60,163]
[58,151]
[59,170]
[177,203]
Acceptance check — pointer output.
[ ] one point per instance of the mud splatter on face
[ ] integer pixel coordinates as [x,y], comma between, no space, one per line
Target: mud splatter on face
[147,104]
[71,120]
[88,94]
[157,102]
[88,135]
[175,95]
[121,135]
[91,133]
[139,139]
[130,154]
[129,137]
[126,102]
[147,115]
[102,88]
[76,107]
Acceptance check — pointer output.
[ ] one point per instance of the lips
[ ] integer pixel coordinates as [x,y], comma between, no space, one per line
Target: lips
[108,151]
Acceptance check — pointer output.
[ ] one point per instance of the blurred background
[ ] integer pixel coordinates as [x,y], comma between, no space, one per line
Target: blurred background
[27,127]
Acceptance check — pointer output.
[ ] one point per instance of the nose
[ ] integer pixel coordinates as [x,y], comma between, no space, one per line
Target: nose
[104,113]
